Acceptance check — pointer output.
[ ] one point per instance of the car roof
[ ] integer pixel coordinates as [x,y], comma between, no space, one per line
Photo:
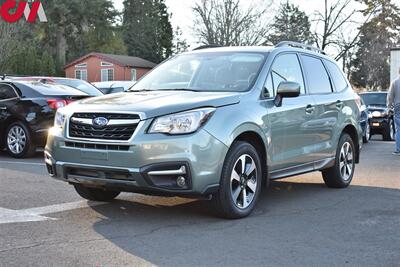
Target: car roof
[30,78]
[258,49]
[49,89]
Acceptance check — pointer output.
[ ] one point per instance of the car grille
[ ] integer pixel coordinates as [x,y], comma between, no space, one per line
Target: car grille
[97,146]
[121,131]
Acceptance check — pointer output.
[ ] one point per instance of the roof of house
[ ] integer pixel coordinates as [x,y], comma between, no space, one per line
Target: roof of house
[121,60]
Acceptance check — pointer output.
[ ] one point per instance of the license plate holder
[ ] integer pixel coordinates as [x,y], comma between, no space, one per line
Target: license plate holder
[376,124]
[97,155]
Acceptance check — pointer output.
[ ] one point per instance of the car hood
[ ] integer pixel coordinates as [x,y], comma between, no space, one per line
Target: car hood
[156,103]
[377,107]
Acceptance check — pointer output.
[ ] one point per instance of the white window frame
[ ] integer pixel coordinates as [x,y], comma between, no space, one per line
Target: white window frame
[82,74]
[106,64]
[82,65]
[107,70]
[134,74]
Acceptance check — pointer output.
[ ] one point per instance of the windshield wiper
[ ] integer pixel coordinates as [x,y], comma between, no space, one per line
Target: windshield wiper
[169,89]
[140,90]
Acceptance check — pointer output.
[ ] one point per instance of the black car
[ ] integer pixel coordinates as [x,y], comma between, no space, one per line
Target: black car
[364,121]
[80,85]
[380,117]
[27,112]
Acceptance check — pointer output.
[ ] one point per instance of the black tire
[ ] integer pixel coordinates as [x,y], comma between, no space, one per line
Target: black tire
[96,194]
[387,132]
[29,148]
[223,201]
[334,177]
[367,135]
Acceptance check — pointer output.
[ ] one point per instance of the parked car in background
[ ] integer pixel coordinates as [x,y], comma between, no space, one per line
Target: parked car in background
[27,110]
[114,86]
[364,121]
[213,123]
[381,118]
[81,85]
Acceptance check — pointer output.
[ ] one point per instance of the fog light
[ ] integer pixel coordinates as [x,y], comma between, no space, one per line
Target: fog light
[181,181]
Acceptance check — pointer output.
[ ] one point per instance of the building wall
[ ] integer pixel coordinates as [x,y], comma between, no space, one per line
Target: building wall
[93,67]
[394,63]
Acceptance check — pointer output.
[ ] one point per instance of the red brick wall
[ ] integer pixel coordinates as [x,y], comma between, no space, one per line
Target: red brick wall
[94,70]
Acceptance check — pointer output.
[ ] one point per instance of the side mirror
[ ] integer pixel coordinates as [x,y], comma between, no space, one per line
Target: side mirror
[286,89]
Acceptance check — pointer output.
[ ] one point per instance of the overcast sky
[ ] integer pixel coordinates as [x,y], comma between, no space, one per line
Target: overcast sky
[182,14]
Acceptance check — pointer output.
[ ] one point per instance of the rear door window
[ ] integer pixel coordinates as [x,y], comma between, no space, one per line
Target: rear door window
[7,92]
[337,76]
[286,67]
[317,77]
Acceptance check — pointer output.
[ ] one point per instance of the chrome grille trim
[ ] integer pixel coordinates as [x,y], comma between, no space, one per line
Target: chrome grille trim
[121,127]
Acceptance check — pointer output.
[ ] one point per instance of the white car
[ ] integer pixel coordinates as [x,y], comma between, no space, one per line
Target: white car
[114,86]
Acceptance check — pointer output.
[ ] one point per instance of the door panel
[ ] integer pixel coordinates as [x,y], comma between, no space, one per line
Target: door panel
[288,126]
[327,106]
[292,134]
[8,99]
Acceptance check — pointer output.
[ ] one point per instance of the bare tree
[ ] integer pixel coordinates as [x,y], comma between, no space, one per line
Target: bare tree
[333,20]
[229,23]
[337,29]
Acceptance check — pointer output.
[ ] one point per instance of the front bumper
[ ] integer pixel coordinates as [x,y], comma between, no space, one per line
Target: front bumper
[379,124]
[151,163]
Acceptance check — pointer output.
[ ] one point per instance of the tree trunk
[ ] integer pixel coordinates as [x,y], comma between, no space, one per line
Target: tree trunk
[61,53]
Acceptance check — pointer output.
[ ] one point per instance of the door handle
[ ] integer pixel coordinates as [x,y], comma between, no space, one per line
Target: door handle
[339,104]
[310,109]
[3,108]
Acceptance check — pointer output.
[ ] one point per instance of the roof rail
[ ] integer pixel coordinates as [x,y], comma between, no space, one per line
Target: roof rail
[4,76]
[206,46]
[300,45]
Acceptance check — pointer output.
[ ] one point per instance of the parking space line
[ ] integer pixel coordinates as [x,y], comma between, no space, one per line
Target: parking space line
[35,214]
[62,207]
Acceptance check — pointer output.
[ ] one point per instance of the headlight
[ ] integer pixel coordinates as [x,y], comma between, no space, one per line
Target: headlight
[182,123]
[59,119]
[378,114]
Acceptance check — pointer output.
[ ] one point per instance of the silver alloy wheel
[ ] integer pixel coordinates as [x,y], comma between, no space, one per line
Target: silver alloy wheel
[368,132]
[16,139]
[391,129]
[244,181]
[346,162]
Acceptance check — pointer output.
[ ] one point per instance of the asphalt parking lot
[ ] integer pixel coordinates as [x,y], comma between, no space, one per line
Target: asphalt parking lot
[298,222]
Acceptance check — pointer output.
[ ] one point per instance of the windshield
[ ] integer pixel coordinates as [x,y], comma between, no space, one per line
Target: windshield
[375,99]
[233,72]
[82,86]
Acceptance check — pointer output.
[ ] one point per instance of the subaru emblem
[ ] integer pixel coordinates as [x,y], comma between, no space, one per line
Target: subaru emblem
[100,121]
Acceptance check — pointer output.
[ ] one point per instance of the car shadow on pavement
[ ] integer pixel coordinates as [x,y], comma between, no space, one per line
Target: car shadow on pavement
[295,216]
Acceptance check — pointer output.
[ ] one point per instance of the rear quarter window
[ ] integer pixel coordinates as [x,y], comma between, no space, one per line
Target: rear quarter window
[337,76]
[7,92]
[317,77]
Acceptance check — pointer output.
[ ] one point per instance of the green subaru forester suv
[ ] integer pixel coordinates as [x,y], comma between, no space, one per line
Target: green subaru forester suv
[214,123]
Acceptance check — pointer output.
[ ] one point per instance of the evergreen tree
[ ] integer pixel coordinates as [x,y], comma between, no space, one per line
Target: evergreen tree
[147,29]
[371,66]
[291,24]
[110,41]
[69,21]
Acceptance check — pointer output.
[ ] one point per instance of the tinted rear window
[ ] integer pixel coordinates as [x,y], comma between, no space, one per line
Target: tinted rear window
[318,79]
[337,76]
[51,89]
[6,92]
[81,86]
